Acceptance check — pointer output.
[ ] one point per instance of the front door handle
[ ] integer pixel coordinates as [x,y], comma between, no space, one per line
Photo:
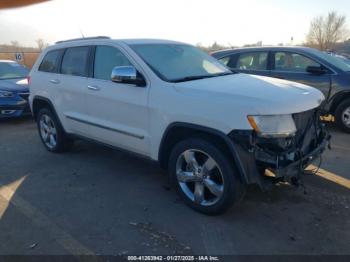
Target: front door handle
[55,81]
[94,88]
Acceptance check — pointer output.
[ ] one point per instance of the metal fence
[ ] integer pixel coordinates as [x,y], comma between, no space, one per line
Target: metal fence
[24,58]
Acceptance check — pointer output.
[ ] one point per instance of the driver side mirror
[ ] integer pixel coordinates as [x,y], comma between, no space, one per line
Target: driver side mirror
[127,75]
[317,70]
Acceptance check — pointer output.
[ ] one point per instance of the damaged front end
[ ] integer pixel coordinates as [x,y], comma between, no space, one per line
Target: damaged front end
[267,159]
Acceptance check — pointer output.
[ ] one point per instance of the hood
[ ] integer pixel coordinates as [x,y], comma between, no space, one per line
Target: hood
[14,85]
[257,94]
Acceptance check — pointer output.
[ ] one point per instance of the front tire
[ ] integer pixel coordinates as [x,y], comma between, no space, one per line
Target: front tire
[342,116]
[51,132]
[204,176]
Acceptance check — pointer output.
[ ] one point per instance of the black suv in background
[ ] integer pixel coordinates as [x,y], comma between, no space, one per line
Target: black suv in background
[328,73]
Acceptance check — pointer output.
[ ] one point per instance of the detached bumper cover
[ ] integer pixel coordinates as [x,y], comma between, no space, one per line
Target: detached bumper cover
[285,158]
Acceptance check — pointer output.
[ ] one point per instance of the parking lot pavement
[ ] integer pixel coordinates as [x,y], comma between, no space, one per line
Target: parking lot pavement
[95,200]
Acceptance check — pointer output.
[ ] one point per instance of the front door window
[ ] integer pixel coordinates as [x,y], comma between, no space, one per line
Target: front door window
[293,62]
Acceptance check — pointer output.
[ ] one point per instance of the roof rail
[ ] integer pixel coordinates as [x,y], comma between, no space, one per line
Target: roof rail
[83,38]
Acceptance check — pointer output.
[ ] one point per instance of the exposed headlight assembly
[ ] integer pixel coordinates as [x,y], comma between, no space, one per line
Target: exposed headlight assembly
[273,125]
[6,93]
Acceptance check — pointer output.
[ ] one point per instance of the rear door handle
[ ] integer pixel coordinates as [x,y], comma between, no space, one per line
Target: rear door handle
[94,88]
[55,81]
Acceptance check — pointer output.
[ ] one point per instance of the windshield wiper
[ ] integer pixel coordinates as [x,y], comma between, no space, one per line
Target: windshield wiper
[190,78]
[226,73]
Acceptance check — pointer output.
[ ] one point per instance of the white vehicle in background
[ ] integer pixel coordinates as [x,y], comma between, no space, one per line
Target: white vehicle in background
[214,130]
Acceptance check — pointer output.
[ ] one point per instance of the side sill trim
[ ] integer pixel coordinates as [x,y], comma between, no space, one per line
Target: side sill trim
[105,127]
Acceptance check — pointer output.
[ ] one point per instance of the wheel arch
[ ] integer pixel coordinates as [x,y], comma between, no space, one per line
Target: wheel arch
[40,102]
[338,99]
[178,131]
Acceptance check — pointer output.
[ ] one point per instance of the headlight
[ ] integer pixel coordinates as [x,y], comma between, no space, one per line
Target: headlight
[273,125]
[6,94]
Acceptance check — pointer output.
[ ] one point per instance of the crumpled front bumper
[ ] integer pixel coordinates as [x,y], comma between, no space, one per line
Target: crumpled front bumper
[265,160]
[294,169]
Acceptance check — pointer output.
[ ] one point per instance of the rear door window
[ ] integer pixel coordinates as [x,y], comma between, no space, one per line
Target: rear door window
[75,61]
[50,61]
[252,61]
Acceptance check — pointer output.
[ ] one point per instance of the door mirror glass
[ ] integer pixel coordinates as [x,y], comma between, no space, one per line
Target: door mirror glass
[316,70]
[127,75]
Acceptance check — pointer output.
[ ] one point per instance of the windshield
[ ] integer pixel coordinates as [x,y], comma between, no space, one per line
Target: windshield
[334,60]
[10,70]
[344,59]
[179,62]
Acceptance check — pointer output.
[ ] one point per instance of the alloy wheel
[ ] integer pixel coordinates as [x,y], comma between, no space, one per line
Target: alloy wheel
[199,177]
[48,131]
[346,117]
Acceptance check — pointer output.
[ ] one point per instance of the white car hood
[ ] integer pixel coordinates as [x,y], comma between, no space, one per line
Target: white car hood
[258,94]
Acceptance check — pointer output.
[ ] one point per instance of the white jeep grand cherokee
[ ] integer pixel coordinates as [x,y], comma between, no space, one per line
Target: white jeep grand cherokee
[216,131]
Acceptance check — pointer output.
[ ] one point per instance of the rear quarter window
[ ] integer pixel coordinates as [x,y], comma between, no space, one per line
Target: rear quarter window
[50,61]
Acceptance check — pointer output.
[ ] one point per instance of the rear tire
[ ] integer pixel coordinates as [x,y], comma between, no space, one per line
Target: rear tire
[204,176]
[51,132]
[342,116]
